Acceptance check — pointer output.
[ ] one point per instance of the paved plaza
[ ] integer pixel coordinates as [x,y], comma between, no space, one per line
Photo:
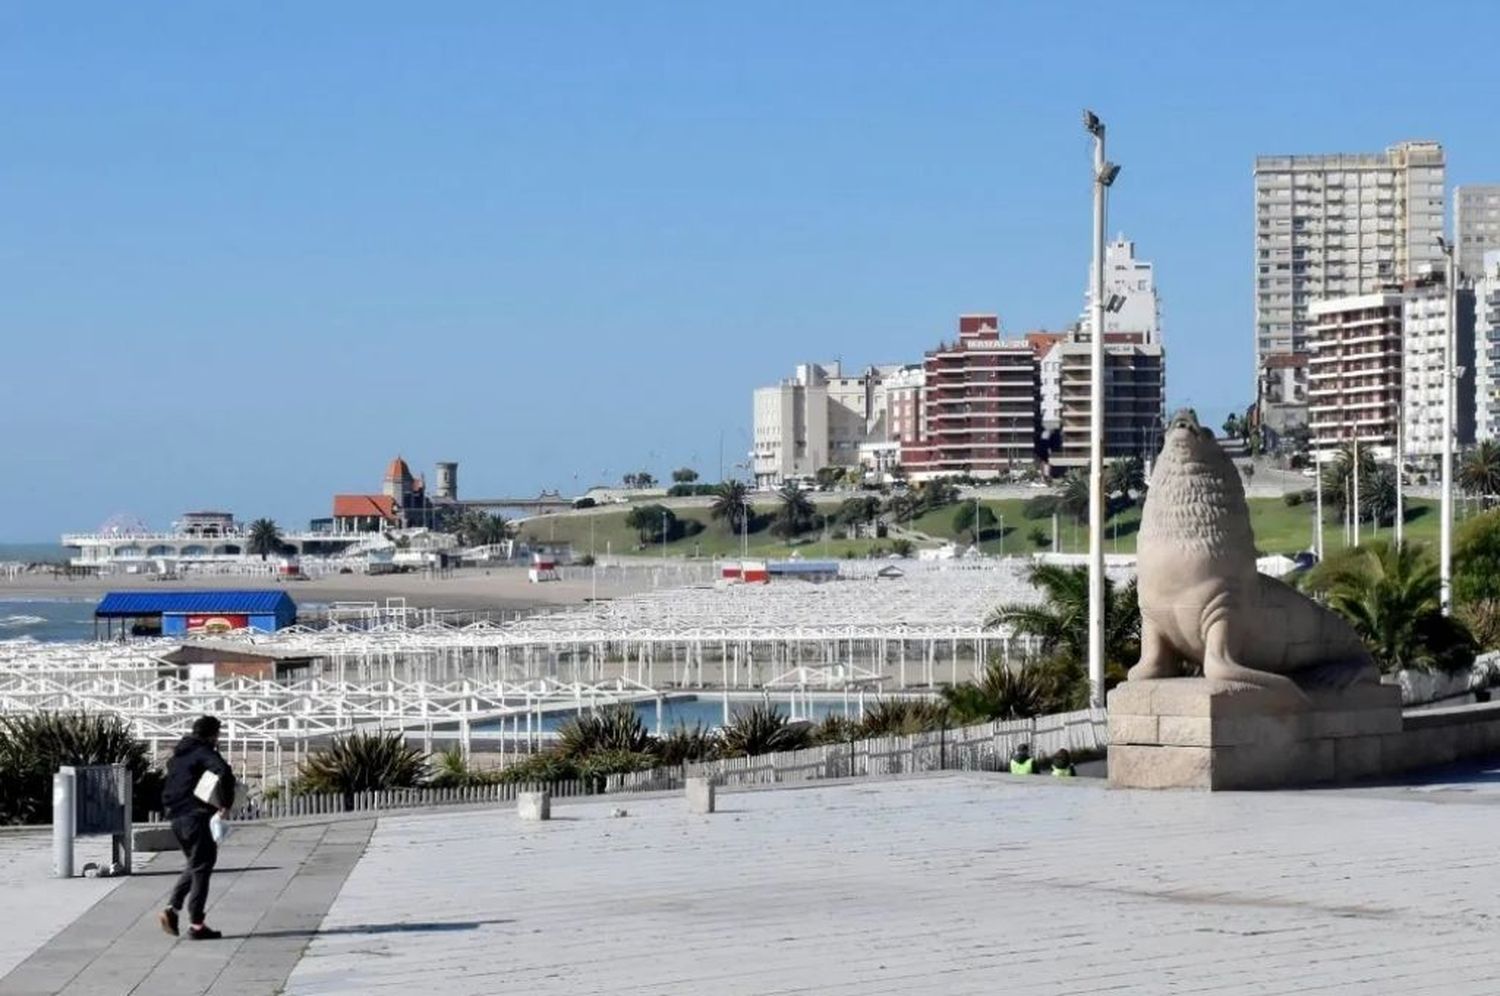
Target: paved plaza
[935,884]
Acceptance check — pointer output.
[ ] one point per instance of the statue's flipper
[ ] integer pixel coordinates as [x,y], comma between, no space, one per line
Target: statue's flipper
[1219,665]
[1158,659]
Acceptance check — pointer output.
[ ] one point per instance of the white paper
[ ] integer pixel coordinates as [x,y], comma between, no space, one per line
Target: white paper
[208,788]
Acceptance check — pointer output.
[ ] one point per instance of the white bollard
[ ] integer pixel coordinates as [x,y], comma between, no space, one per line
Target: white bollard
[64,819]
[534,805]
[700,795]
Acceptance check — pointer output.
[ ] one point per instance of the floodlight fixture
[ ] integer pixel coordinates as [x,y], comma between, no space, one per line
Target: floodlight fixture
[1108,172]
[1092,124]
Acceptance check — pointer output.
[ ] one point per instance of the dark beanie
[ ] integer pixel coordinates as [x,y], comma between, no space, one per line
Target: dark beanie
[206,727]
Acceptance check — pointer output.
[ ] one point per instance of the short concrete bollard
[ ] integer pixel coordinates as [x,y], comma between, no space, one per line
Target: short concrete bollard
[534,805]
[700,795]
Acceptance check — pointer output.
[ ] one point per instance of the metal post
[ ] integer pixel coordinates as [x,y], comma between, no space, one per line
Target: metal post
[1400,472]
[64,820]
[1356,490]
[1096,423]
[1318,509]
[1445,523]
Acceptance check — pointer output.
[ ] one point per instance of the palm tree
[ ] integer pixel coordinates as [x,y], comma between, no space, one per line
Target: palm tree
[1060,622]
[796,512]
[1338,479]
[1480,472]
[1125,476]
[477,528]
[1073,498]
[265,538]
[732,503]
[1391,596]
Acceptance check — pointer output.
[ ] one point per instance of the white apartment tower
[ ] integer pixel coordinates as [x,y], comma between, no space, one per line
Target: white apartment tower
[1424,320]
[1337,226]
[1476,226]
[1487,347]
[1133,282]
[1354,373]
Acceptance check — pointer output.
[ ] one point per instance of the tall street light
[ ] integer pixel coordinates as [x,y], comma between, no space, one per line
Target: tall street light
[1104,175]
[1445,518]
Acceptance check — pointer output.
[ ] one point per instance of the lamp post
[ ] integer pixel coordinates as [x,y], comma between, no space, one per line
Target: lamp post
[1104,175]
[1445,517]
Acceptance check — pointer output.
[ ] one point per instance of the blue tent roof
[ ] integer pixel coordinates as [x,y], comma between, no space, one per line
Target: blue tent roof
[130,604]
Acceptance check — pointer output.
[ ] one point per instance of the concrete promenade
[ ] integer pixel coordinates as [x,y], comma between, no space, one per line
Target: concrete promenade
[268,897]
[945,884]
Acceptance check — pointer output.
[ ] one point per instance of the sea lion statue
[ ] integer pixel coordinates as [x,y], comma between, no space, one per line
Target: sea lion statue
[1203,603]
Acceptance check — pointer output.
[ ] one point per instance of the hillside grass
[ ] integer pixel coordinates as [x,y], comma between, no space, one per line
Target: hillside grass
[1278,528]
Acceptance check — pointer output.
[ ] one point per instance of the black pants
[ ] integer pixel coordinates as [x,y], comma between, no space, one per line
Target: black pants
[198,846]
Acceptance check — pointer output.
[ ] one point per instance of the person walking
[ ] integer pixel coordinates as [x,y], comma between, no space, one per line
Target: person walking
[191,816]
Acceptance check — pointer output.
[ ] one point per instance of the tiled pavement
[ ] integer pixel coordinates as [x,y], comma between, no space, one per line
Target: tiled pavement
[268,897]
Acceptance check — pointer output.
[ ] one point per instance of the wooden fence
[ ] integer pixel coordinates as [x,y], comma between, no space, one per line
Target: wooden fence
[986,747]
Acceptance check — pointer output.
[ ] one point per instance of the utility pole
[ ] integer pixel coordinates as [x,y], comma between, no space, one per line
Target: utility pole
[1356,488]
[1318,509]
[1400,470]
[1104,175]
[1445,518]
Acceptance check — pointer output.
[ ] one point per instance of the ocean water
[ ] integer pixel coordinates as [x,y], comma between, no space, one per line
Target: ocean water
[687,710]
[46,619]
[33,553]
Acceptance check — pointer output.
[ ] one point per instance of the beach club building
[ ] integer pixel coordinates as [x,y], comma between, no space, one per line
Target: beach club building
[184,613]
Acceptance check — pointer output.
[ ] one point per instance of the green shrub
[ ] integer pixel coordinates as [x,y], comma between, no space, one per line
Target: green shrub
[762,730]
[33,747]
[1039,507]
[902,717]
[688,743]
[614,728]
[452,770]
[545,767]
[1293,498]
[362,762]
[835,729]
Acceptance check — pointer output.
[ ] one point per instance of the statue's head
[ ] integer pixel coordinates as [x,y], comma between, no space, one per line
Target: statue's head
[1185,438]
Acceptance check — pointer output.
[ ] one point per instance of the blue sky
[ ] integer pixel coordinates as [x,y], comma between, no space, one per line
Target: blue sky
[249,252]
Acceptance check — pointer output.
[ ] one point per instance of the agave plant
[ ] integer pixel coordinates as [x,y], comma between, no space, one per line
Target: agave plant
[762,730]
[615,728]
[685,743]
[835,729]
[1033,689]
[902,717]
[363,762]
[452,770]
[537,769]
[33,747]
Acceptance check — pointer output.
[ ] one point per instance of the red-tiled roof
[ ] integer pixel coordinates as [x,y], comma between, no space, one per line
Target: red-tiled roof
[398,470]
[363,506]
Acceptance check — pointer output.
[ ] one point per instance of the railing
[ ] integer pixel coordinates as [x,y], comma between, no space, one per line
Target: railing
[986,747]
[291,806]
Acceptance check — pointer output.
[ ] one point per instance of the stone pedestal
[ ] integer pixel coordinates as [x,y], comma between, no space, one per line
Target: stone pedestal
[700,795]
[1202,734]
[534,805]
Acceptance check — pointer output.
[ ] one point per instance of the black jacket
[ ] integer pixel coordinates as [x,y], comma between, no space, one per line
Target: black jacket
[190,759]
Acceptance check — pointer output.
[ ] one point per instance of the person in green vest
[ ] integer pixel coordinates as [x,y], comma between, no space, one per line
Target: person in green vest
[1062,765]
[1021,761]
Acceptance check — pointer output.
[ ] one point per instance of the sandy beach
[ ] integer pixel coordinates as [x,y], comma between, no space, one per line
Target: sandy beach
[468,589]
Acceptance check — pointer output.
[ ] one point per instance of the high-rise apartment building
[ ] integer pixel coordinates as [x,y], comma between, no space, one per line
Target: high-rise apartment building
[1337,226]
[1134,398]
[1354,373]
[1476,226]
[1424,319]
[1487,347]
[980,405]
[1133,282]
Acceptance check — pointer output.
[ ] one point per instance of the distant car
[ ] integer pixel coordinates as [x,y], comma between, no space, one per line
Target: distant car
[1309,472]
[1040,484]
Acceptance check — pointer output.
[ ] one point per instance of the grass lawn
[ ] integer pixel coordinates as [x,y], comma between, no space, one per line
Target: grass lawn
[1279,528]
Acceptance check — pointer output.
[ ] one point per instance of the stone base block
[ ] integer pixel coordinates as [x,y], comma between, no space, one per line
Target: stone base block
[534,805]
[1197,733]
[154,839]
[700,795]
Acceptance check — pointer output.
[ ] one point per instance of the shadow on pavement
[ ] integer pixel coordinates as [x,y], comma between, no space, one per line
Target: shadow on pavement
[174,872]
[418,927]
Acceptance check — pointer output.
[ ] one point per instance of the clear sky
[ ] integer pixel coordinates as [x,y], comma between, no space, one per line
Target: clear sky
[249,252]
